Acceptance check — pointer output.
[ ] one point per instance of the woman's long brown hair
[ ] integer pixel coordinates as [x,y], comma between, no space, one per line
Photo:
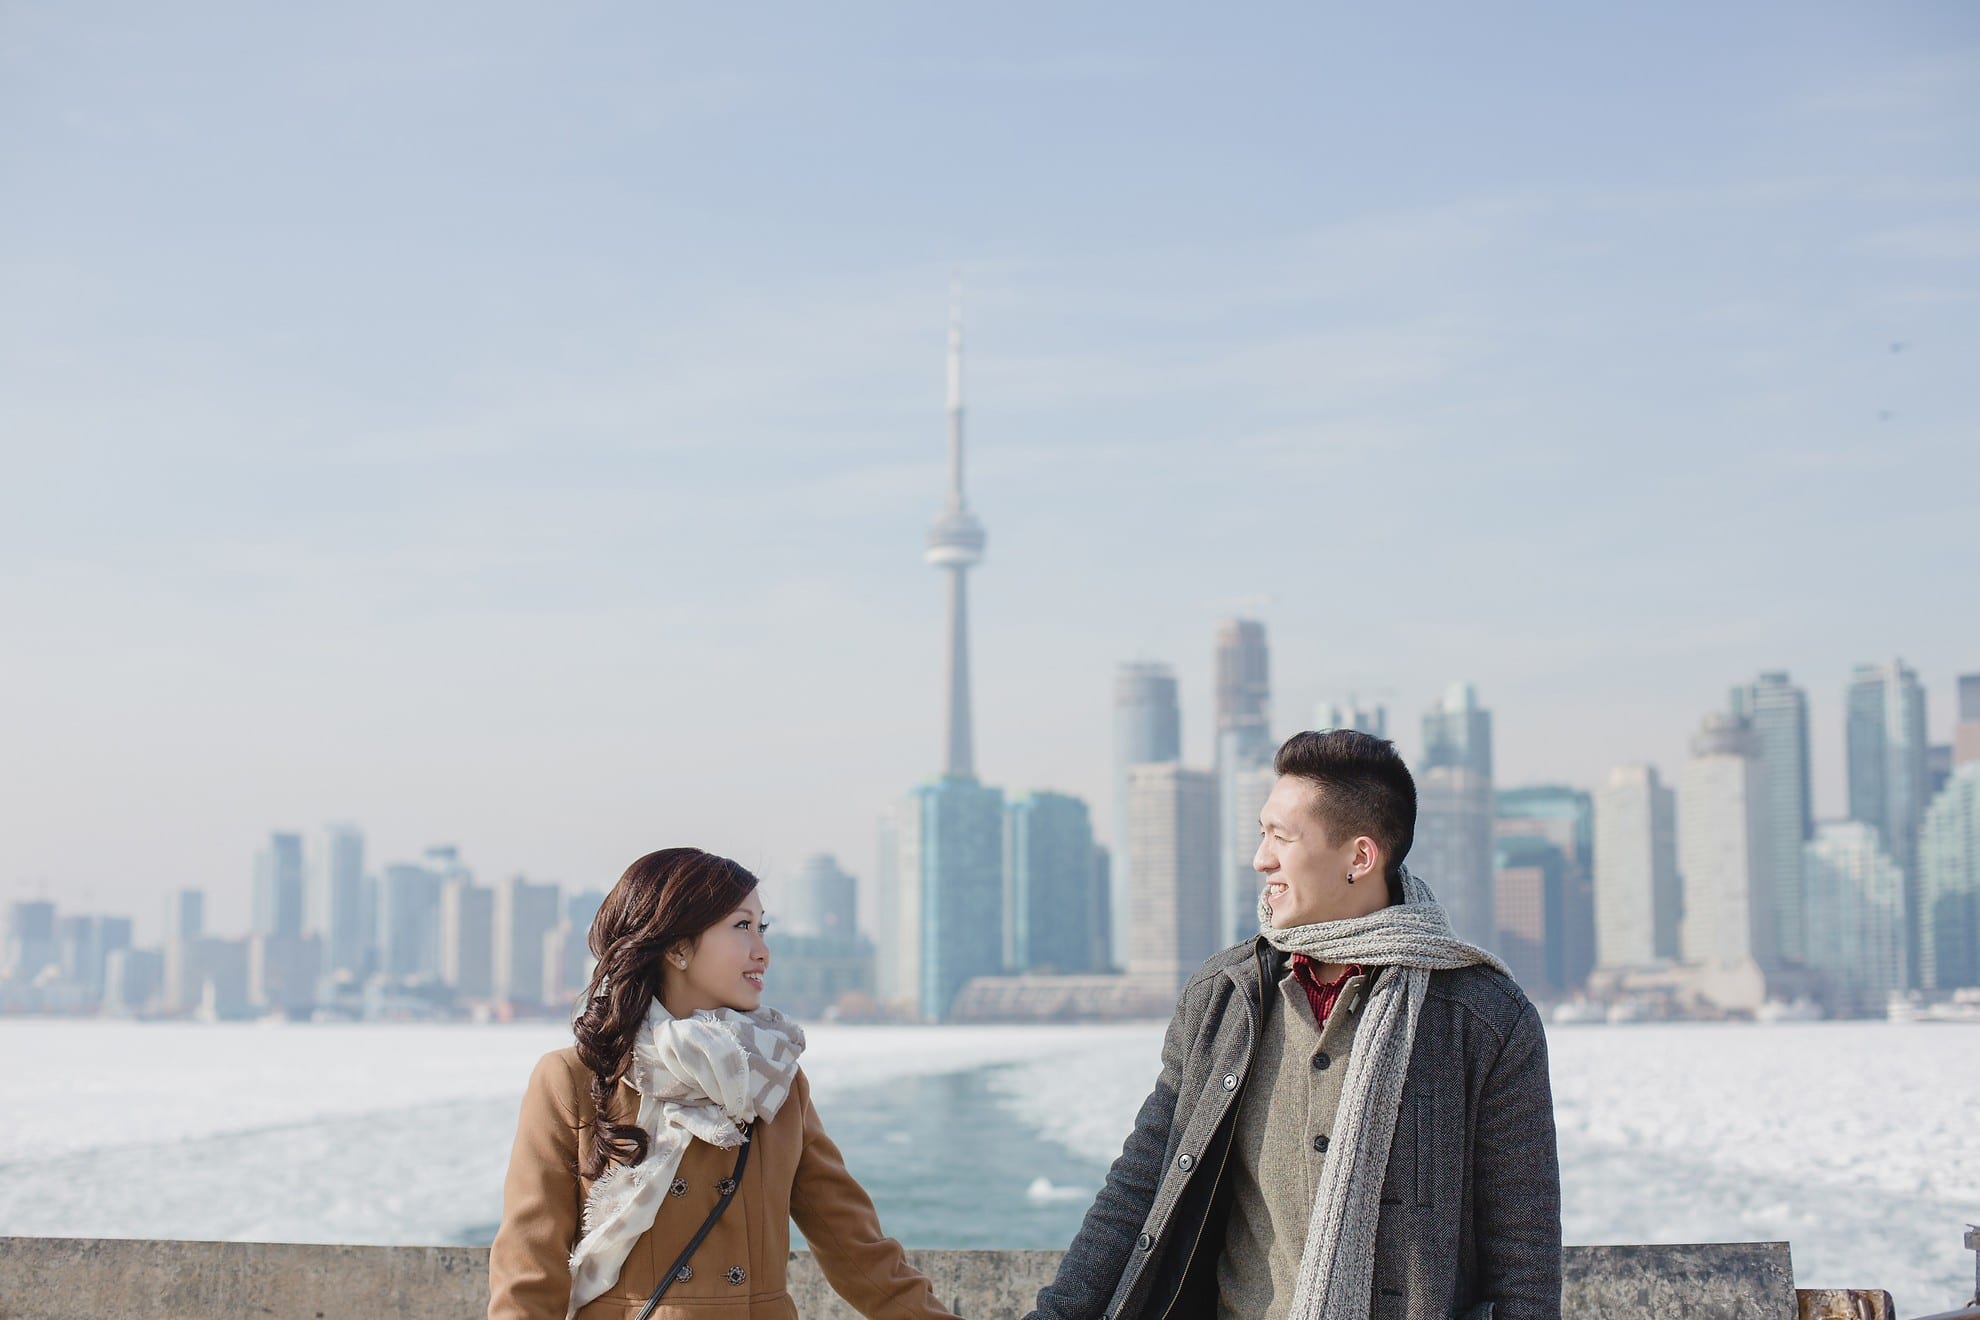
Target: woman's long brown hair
[663,899]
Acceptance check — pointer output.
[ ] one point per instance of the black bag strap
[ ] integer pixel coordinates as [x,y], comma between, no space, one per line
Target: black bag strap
[728,1194]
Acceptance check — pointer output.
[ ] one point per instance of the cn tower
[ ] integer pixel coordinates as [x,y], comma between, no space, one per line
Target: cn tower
[955,545]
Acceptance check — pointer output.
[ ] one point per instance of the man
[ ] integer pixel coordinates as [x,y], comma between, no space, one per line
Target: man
[1353,1116]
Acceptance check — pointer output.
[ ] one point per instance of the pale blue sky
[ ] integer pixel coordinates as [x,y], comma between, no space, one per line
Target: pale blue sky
[517,425]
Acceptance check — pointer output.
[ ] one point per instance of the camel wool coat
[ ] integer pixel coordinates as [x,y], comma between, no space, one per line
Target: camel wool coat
[795,1172]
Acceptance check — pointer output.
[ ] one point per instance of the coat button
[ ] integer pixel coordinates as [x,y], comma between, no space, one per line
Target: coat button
[1320,1142]
[1185,1162]
[1320,1061]
[1230,1081]
[1145,1241]
[737,1274]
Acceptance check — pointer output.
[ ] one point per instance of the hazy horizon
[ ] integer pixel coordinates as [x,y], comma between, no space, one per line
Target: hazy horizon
[519,428]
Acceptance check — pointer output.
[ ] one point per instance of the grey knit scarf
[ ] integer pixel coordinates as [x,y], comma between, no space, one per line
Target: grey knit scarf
[1337,1267]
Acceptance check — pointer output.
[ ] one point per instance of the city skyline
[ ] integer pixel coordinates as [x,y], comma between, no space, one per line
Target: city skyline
[562,499]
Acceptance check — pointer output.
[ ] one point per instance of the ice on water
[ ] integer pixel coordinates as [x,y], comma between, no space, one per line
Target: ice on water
[1853,1141]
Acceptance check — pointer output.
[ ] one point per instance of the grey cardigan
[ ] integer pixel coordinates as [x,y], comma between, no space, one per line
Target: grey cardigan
[1471,1204]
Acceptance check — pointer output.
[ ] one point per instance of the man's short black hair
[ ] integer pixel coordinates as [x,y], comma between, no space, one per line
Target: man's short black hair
[1364,788]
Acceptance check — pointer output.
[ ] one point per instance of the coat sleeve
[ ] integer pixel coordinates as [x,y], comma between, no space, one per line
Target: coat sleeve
[529,1272]
[1092,1266]
[1516,1173]
[863,1265]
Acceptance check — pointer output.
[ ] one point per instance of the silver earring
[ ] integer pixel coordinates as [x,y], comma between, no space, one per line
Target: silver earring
[681,963]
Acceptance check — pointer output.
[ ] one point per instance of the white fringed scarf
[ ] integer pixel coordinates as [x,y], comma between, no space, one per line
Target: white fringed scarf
[706,1076]
[1337,1266]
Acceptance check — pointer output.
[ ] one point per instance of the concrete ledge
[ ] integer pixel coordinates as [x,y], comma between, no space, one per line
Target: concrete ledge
[45,1278]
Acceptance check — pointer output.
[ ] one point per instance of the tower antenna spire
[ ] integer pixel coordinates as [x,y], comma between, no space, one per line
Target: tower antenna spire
[956,503]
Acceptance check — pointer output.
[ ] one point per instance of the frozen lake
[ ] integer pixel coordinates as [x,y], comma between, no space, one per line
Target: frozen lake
[1853,1141]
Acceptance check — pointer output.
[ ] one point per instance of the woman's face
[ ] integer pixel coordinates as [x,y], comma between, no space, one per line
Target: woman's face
[725,965]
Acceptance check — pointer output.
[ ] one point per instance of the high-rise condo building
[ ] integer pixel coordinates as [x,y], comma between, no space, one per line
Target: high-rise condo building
[1452,852]
[1949,884]
[1244,747]
[1966,733]
[185,915]
[1242,797]
[1048,885]
[409,921]
[1723,843]
[467,937]
[1458,732]
[525,914]
[1529,899]
[1564,818]
[1856,919]
[1173,844]
[278,887]
[823,899]
[1637,895]
[1778,713]
[945,917]
[1370,719]
[31,946]
[577,964]
[1888,772]
[338,901]
[1244,676]
[1147,731]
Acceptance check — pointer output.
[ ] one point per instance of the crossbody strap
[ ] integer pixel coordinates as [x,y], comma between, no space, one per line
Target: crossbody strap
[728,1194]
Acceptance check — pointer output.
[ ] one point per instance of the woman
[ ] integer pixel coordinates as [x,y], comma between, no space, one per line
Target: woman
[628,1140]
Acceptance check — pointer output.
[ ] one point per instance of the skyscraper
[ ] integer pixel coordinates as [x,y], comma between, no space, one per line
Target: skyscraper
[1370,719]
[1147,730]
[1637,894]
[1966,733]
[576,963]
[1529,899]
[822,900]
[1244,747]
[1173,841]
[1458,732]
[278,887]
[1949,884]
[1564,818]
[467,937]
[409,920]
[1244,681]
[1241,796]
[955,545]
[185,915]
[1778,713]
[1856,919]
[339,901]
[1888,772]
[1452,851]
[1723,843]
[946,917]
[1048,884]
[525,914]
[30,940]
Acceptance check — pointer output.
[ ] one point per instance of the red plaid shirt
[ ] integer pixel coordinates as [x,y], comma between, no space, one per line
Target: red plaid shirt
[1322,994]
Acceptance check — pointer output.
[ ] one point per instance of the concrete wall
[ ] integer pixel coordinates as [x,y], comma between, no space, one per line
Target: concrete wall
[43,1278]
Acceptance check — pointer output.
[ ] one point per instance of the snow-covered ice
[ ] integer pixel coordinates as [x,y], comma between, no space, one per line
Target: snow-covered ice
[1852,1141]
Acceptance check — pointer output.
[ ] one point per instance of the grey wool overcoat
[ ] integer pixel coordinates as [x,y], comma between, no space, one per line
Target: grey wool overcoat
[1471,1204]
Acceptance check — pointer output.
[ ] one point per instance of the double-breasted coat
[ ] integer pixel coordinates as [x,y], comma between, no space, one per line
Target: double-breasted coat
[794,1172]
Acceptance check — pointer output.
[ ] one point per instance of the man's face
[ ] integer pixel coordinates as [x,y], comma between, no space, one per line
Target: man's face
[1305,876]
